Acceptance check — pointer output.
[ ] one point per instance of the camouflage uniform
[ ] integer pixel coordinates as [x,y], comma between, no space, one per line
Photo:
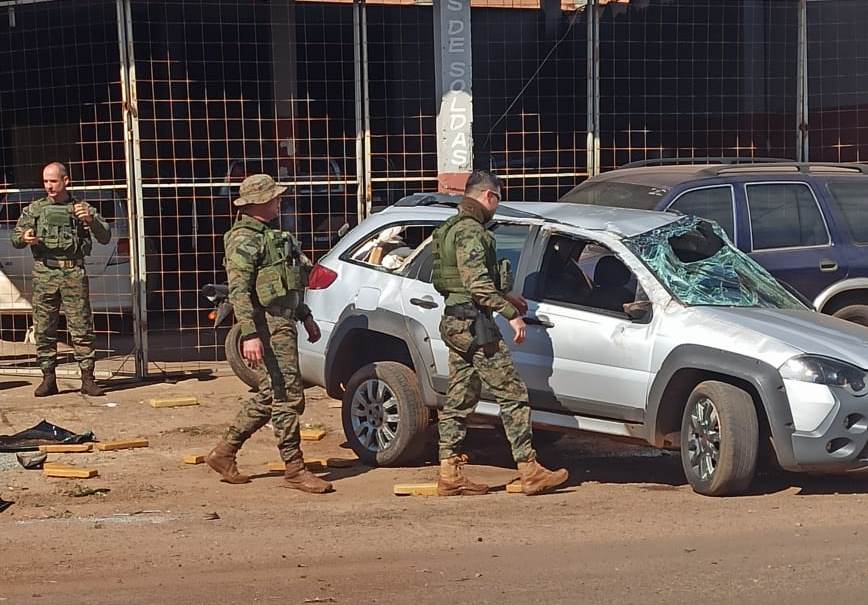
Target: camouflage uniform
[281,396]
[471,367]
[60,281]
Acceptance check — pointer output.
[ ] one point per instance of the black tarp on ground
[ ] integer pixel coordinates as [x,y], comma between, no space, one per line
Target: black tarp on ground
[43,433]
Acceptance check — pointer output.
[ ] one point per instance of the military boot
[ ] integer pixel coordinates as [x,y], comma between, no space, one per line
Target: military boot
[536,479]
[452,481]
[88,385]
[296,476]
[48,386]
[222,460]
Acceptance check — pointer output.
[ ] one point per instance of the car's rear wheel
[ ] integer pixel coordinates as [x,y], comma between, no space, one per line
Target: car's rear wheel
[855,313]
[719,439]
[236,360]
[384,418]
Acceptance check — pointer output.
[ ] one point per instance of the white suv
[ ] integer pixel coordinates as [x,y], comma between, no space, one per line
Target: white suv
[642,325]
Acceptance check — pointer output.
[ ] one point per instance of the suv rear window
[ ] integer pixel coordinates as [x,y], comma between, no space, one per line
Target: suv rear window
[619,195]
[851,196]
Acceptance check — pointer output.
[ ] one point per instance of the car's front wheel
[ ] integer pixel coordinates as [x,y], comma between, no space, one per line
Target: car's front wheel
[719,439]
[384,418]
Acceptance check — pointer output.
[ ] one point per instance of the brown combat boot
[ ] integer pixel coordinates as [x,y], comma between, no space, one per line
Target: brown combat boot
[88,385]
[222,460]
[48,386]
[298,477]
[452,481]
[536,479]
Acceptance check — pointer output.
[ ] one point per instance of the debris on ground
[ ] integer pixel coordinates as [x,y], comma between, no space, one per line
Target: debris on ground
[172,402]
[514,487]
[4,504]
[43,433]
[82,491]
[312,432]
[211,516]
[194,459]
[125,444]
[415,489]
[65,448]
[31,461]
[68,471]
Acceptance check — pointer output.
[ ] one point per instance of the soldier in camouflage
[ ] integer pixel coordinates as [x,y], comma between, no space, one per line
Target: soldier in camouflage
[266,271]
[58,229]
[475,285]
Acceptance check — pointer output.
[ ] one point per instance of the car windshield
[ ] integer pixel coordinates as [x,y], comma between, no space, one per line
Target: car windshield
[619,195]
[695,261]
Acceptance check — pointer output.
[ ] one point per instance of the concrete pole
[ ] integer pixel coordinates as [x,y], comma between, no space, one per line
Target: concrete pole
[454,79]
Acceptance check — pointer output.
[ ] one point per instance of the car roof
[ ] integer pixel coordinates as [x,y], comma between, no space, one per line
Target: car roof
[624,222]
[669,176]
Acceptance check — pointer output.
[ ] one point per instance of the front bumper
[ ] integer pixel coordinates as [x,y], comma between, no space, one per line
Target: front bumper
[829,430]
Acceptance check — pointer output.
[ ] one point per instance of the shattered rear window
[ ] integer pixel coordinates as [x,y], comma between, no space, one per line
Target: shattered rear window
[696,262]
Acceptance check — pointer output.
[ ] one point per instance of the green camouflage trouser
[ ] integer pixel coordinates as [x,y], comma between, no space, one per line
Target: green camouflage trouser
[281,395]
[467,375]
[68,289]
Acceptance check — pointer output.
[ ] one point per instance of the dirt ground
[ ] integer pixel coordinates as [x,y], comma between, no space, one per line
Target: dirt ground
[151,529]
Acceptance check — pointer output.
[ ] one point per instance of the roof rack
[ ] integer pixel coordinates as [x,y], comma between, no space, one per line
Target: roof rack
[791,167]
[428,199]
[707,160]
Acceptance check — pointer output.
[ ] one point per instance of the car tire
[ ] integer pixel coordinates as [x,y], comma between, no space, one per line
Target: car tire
[856,313]
[248,375]
[384,419]
[719,439]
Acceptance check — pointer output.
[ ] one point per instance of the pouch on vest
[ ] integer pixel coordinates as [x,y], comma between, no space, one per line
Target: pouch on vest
[270,286]
[56,229]
[504,275]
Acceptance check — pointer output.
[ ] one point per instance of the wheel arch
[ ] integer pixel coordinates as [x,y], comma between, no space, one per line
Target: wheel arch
[841,294]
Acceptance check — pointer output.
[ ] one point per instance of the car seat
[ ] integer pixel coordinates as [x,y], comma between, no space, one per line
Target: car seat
[611,291]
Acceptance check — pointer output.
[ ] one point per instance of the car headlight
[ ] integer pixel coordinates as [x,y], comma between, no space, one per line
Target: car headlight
[831,372]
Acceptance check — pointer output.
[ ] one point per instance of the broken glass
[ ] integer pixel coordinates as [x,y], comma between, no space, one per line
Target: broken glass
[695,261]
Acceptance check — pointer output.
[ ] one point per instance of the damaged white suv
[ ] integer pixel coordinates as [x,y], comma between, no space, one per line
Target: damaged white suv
[642,325]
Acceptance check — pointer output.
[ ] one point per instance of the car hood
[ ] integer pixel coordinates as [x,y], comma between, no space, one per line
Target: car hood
[808,331]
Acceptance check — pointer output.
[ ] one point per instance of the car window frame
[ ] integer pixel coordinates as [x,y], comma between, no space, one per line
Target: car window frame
[347,255]
[536,296]
[731,187]
[516,270]
[810,188]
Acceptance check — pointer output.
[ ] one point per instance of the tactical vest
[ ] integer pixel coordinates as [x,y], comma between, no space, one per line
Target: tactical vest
[280,277]
[60,233]
[446,278]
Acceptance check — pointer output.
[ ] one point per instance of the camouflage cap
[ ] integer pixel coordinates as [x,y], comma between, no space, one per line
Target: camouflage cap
[258,189]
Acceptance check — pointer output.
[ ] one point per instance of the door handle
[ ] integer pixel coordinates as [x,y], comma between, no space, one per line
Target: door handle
[538,321]
[828,265]
[424,303]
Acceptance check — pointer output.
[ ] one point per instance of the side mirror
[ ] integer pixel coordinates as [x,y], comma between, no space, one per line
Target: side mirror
[639,311]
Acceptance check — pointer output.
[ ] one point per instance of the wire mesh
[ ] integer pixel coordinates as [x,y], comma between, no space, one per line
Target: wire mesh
[227,89]
[698,78]
[530,99]
[60,100]
[838,80]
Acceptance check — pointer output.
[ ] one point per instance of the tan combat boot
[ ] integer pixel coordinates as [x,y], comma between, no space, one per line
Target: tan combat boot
[296,476]
[88,385]
[452,481]
[222,460]
[536,479]
[48,386]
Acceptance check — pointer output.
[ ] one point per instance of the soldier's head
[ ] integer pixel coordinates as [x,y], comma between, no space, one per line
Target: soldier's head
[484,187]
[55,179]
[259,197]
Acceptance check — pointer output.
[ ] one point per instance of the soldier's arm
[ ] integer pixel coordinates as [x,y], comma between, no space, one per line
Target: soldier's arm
[100,229]
[242,258]
[25,221]
[470,254]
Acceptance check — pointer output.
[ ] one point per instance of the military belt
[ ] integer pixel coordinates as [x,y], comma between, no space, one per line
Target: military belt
[54,263]
[465,311]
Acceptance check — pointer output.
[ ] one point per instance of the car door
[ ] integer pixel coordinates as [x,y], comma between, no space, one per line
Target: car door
[582,354]
[790,236]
